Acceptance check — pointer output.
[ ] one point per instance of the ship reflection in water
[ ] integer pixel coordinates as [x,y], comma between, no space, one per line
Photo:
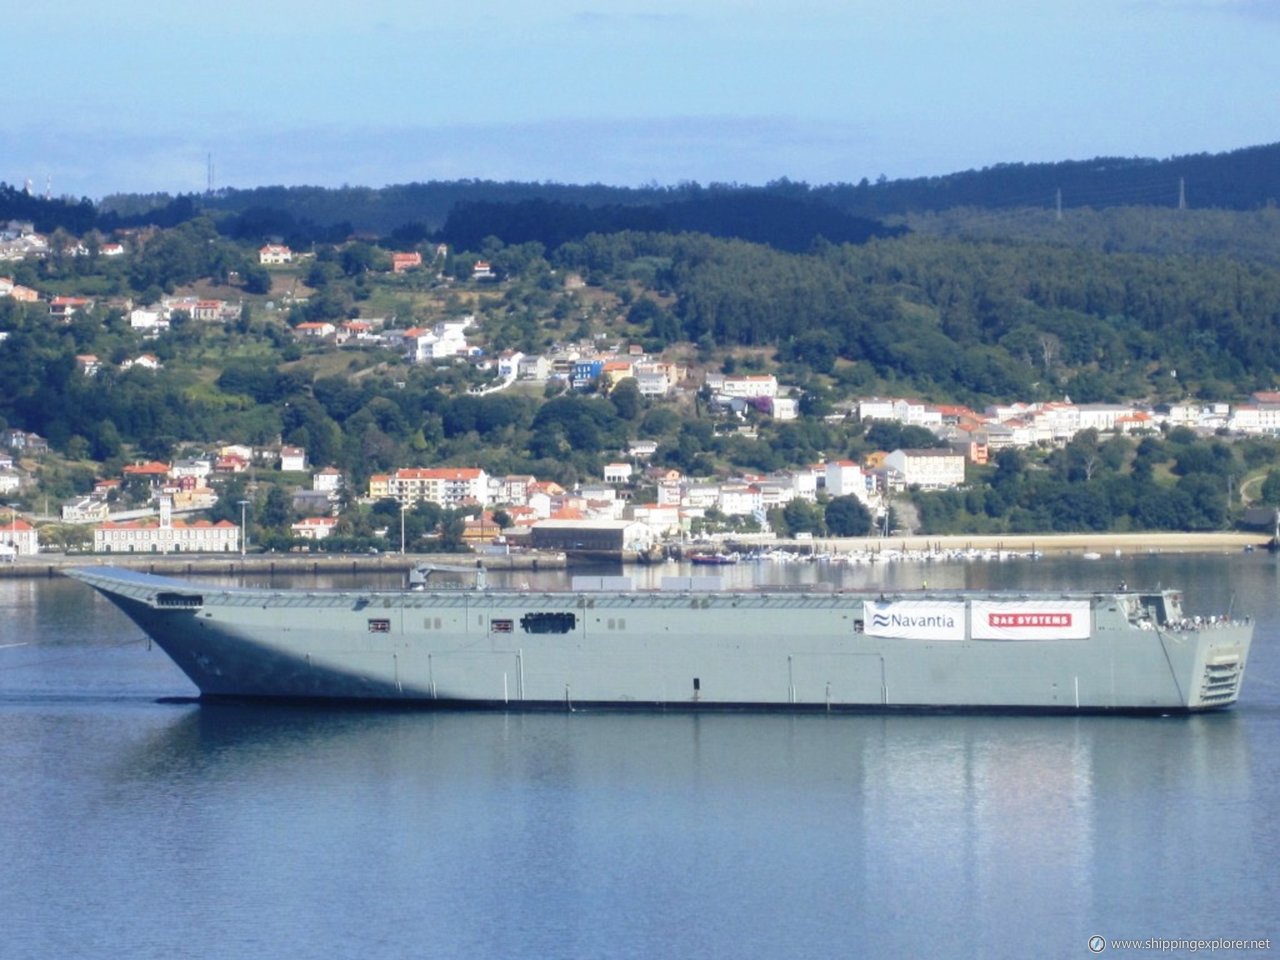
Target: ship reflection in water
[624,825]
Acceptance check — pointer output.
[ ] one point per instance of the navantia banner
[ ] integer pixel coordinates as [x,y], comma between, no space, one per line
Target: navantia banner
[915,619]
[1030,620]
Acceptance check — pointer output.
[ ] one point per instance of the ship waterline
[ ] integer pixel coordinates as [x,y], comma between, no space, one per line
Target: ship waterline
[690,647]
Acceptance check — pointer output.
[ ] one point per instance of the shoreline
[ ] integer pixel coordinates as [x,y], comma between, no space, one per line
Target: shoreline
[186,564]
[1058,544]
[1055,543]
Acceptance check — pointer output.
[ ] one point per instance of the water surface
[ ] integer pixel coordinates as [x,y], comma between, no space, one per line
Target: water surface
[136,826]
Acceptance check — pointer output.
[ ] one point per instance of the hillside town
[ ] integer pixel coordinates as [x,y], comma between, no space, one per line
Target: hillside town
[543,513]
[160,506]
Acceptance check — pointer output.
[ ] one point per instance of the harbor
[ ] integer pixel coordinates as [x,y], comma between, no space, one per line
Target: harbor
[193,564]
[847,550]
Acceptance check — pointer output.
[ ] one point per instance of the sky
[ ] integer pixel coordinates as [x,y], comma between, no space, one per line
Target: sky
[138,97]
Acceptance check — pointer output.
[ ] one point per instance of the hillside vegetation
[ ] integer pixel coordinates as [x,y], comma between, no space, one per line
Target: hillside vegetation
[963,304]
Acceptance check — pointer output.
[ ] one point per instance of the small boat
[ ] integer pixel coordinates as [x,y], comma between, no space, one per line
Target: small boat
[713,559]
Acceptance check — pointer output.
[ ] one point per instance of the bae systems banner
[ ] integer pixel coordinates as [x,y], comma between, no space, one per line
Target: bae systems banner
[1031,620]
[915,619]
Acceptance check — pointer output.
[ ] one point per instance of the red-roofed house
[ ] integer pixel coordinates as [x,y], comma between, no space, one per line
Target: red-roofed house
[400,262]
[147,361]
[88,363]
[480,530]
[64,308]
[17,537]
[208,310]
[275,253]
[314,528]
[230,463]
[155,472]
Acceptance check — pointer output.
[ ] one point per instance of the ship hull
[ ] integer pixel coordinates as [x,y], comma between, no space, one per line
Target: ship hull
[690,650]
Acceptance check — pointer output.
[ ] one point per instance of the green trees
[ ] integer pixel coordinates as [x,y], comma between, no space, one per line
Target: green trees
[847,517]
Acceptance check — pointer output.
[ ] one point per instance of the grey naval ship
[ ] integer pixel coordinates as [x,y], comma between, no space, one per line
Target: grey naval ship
[690,646]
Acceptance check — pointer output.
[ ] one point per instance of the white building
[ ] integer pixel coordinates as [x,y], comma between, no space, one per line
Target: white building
[313,528]
[617,473]
[533,368]
[446,486]
[293,459]
[930,469]
[739,499]
[664,520]
[1103,417]
[508,363]
[700,496]
[328,480]
[150,321]
[1054,423]
[898,410]
[785,408]
[757,385]
[166,536]
[17,537]
[198,467]
[274,253]
[85,510]
[844,478]
[147,361]
[444,340]
[1255,418]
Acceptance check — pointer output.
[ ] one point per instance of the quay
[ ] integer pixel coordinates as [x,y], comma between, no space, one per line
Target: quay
[194,564]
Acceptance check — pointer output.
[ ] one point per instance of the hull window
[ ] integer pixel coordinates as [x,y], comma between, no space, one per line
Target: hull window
[500,626]
[379,626]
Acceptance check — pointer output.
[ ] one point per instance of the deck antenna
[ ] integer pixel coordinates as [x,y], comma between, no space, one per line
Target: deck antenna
[1182,193]
[1058,217]
[209,174]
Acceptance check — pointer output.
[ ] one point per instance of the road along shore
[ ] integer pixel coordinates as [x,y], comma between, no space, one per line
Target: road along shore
[1106,544]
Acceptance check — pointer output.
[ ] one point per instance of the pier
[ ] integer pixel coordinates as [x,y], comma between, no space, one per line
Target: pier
[212,564]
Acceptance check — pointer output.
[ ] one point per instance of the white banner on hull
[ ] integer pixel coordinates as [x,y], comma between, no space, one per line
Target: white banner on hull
[915,619]
[1031,620]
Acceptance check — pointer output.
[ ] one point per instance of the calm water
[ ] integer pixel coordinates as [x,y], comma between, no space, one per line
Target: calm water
[136,828]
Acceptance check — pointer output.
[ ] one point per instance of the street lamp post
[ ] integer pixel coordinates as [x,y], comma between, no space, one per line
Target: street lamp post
[244,530]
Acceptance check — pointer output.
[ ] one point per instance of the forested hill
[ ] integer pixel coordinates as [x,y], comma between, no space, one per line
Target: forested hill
[1241,180]
[1245,179]
[786,223]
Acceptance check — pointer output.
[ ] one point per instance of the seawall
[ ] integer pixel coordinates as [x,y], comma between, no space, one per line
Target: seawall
[52,565]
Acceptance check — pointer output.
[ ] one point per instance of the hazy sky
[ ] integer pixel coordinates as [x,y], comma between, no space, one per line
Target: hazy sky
[134,96]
